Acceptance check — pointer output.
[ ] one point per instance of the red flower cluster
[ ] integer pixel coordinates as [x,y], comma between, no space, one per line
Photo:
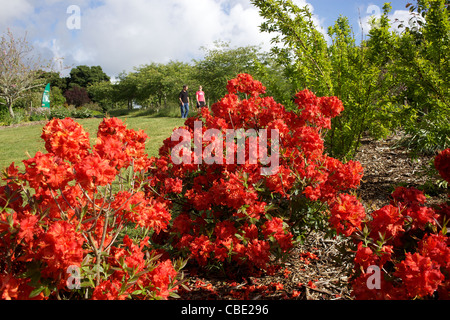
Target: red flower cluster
[230,214]
[121,146]
[318,111]
[129,262]
[62,214]
[66,139]
[442,164]
[409,243]
[347,214]
[244,83]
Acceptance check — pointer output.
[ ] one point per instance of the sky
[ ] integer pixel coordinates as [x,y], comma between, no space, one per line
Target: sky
[119,35]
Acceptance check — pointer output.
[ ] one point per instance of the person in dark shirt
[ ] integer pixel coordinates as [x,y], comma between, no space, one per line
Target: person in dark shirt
[184,102]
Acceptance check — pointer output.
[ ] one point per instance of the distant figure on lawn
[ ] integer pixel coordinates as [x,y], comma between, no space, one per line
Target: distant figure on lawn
[184,102]
[200,96]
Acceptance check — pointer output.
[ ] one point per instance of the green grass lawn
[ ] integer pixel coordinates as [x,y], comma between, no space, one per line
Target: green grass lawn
[17,144]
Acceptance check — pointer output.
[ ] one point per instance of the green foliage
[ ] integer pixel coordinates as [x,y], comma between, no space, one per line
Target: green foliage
[156,86]
[153,86]
[375,78]
[159,84]
[60,113]
[56,97]
[221,64]
[83,76]
[72,112]
[103,93]
[422,66]
[361,80]
[270,72]
[54,79]
[303,49]
[7,120]
[39,114]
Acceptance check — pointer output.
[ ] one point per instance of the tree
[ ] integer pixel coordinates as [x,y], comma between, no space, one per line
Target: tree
[303,49]
[423,68]
[126,89]
[19,69]
[102,93]
[154,84]
[55,79]
[77,96]
[360,79]
[270,72]
[341,69]
[163,82]
[84,76]
[222,64]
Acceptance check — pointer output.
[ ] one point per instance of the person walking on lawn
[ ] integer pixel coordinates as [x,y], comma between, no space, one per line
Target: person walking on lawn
[184,101]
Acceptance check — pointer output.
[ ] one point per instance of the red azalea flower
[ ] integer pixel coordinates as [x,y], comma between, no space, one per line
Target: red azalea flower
[66,139]
[347,214]
[442,164]
[420,275]
[94,171]
[387,222]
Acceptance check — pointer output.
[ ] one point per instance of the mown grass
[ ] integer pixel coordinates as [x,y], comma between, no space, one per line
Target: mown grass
[19,143]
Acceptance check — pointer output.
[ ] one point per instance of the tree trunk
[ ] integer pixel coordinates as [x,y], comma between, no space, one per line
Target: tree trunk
[10,107]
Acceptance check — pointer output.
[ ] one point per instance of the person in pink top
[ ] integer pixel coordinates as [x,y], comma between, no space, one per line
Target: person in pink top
[200,96]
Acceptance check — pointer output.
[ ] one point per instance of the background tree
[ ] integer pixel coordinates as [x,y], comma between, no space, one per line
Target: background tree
[223,63]
[160,84]
[126,90]
[342,69]
[422,66]
[298,45]
[55,79]
[77,96]
[270,72]
[84,76]
[19,69]
[103,93]
[360,78]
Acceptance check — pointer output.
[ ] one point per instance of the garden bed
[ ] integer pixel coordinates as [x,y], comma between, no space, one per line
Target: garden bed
[313,270]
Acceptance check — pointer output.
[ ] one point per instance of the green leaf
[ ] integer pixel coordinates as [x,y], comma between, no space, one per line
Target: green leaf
[37,291]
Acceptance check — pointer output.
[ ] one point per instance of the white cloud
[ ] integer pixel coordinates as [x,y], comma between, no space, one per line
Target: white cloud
[12,10]
[119,35]
[122,34]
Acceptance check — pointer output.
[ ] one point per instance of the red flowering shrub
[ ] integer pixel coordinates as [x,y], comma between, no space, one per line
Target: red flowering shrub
[409,243]
[61,219]
[240,202]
